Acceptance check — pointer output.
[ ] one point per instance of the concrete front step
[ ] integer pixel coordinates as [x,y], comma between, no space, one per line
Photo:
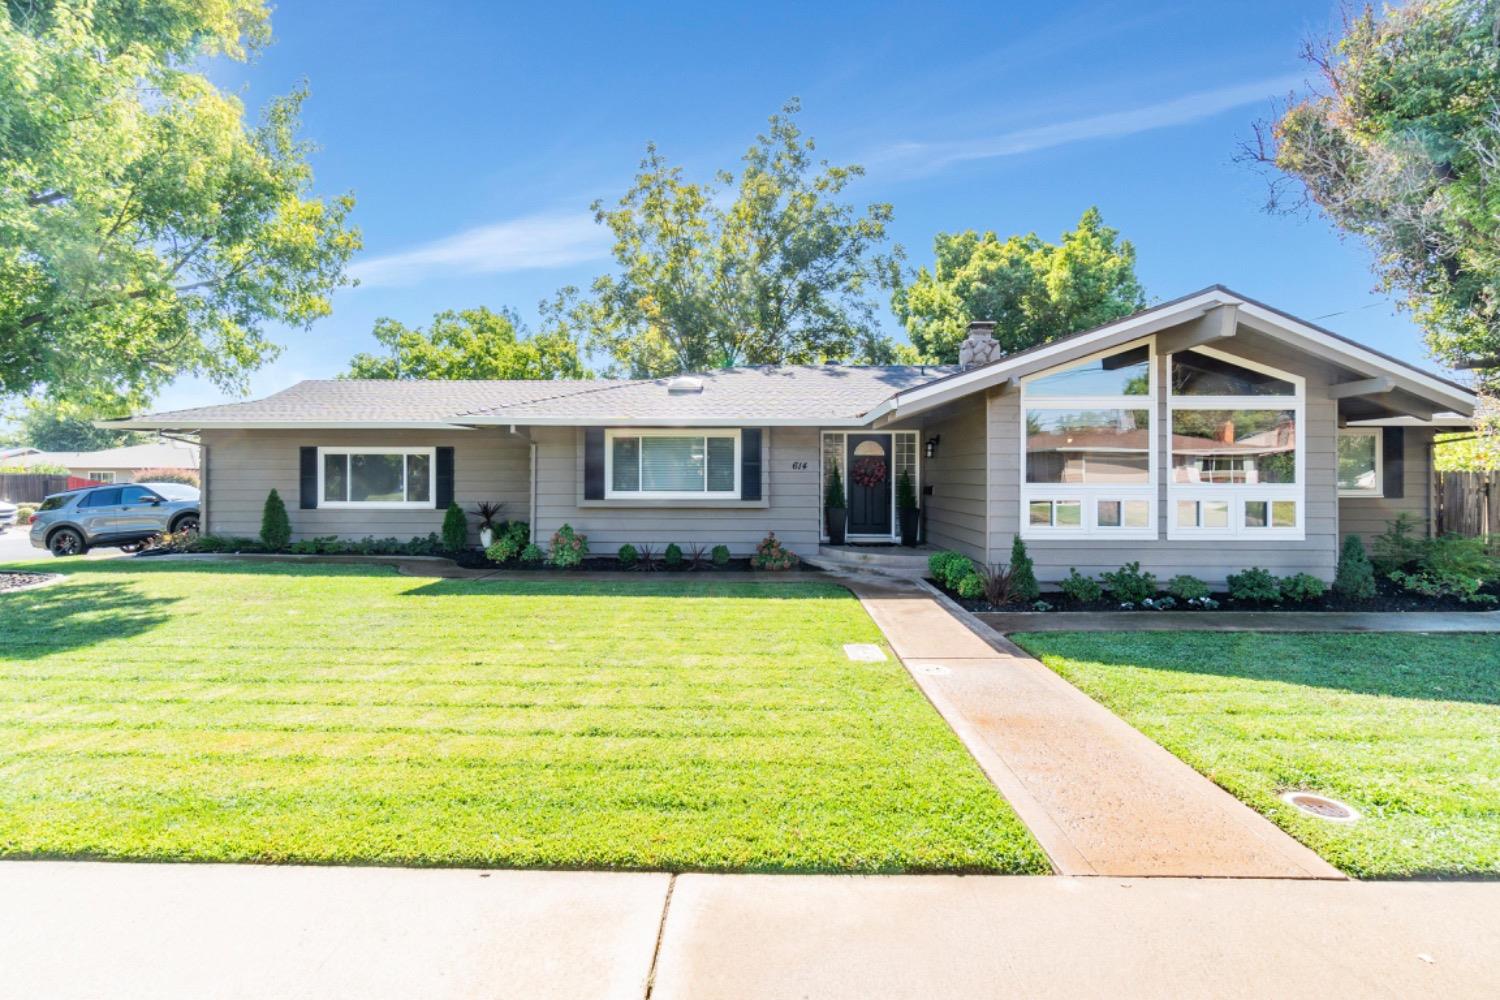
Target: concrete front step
[883,559]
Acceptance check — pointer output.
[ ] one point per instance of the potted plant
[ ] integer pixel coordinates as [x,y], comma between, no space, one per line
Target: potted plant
[906,507]
[835,507]
[488,513]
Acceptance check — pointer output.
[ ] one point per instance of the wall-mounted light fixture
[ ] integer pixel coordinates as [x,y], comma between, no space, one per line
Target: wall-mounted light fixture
[932,443]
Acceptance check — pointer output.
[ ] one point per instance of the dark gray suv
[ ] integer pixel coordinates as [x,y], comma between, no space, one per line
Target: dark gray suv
[127,515]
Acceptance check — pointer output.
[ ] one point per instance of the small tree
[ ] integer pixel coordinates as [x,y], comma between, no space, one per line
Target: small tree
[906,493]
[455,529]
[1023,583]
[1355,578]
[275,526]
[833,496]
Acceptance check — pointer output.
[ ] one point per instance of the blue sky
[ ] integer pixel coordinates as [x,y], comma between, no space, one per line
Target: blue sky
[475,135]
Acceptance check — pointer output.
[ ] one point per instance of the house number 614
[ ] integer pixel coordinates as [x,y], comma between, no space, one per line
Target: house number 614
[799,466]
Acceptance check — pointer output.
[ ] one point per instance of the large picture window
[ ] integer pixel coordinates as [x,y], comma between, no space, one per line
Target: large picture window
[1237,449]
[1090,467]
[375,477]
[1360,472]
[672,464]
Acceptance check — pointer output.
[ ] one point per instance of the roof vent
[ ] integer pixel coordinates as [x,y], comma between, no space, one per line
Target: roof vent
[682,385]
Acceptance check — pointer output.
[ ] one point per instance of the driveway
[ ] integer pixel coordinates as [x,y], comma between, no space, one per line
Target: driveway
[15,546]
[87,930]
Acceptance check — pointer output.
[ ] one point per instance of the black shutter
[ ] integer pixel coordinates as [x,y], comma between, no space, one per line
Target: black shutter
[750,463]
[309,478]
[593,463]
[1393,460]
[444,493]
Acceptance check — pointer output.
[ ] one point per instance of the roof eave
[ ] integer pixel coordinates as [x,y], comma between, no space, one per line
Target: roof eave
[180,424]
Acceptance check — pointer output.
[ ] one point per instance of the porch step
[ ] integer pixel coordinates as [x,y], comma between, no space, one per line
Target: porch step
[888,560]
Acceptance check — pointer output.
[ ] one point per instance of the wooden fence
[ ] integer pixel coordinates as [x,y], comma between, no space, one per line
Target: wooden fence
[1468,503]
[31,487]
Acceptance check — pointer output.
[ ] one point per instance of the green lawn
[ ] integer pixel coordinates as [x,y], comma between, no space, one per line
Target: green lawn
[324,713]
[1405,728]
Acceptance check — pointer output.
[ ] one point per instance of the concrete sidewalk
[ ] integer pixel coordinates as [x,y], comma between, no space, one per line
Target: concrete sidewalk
[1100,797]
[92,930]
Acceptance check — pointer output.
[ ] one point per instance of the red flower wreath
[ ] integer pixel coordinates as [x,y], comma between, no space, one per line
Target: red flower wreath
[868,472]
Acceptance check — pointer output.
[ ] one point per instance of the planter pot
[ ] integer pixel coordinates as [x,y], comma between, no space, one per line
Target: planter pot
[486,537]
[909,519]
[837,518]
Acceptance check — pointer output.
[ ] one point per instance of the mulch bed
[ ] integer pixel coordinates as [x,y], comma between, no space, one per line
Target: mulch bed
[1388,597]
[18,581]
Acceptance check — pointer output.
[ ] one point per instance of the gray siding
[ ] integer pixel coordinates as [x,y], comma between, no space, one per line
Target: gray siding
[956,506]
[790,506]
[243,466]
[1369,516]
[1208,560]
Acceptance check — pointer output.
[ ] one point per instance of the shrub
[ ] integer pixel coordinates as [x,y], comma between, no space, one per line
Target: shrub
[648,557]
[1000,584]
[510,539]
[671,557]
[275,527]
[1433,585]
[906,493]
[772,555]
[1023,573]
[1398,546]
[185,477]
[971,587]
[696,555]
[488,512]
[1302,587]
[833,493]
[1080,588]
[532,553]
[1451,566]
[568,547]
[721,555]
[1187,588]
[1128,584]
[1355,578]
[949,567]
[25,512]
[455,529]
[1254,586]
[628,555]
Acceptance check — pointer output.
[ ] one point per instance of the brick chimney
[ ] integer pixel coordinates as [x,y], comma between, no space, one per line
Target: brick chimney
[979,347]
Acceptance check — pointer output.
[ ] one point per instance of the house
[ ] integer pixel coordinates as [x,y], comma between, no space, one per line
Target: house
[1201,436]
[115,465]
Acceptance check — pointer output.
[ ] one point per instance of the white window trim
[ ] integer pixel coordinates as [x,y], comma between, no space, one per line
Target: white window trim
[429,504]
[1374,433]
[102,477]
[1089,494]
[843,436]
[1238,493]
[610,493]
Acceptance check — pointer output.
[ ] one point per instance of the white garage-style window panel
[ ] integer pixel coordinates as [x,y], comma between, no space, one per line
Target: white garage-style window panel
[672,464]
[1238,449]
[1361,471]
[1090,464]
[376,478]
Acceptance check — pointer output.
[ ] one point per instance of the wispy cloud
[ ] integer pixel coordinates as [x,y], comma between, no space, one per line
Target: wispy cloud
[526,243]
[928,157]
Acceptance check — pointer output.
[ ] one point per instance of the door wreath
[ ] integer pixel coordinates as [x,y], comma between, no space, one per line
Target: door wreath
[868,472]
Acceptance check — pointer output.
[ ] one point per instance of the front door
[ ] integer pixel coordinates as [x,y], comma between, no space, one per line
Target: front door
[869,485]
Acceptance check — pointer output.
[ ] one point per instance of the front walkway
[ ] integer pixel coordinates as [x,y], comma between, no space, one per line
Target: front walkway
[87,930]
[1101,798]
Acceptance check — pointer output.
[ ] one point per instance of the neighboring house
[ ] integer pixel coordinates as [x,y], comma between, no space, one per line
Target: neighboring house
[116,465]
[1201,436]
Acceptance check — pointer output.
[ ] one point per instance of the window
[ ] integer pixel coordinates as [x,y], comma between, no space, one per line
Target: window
[1090,466]
[101,477]
[102,498]
[376,477]
[672,464]
[137,494]
[1360,466]
[1236,448]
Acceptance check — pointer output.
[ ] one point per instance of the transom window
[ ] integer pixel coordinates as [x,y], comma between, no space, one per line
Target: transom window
[1090,467]
[672,464]
[1360,463]
[1236,448]
[376,477]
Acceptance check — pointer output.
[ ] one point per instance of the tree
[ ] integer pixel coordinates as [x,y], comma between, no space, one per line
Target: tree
[469,343]
[146,230]
[772,267]
[1034,291]
[53,425]
[1399,144]
[275,526]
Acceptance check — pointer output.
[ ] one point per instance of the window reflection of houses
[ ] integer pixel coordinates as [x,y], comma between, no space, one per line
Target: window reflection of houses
[1088,446]
[1234,446]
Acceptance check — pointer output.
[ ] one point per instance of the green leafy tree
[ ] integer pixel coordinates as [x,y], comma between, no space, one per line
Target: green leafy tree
[469,344]
[275,526]
[147,230]
[1034,291]
[56,425]
[770,267]
[1399,144]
